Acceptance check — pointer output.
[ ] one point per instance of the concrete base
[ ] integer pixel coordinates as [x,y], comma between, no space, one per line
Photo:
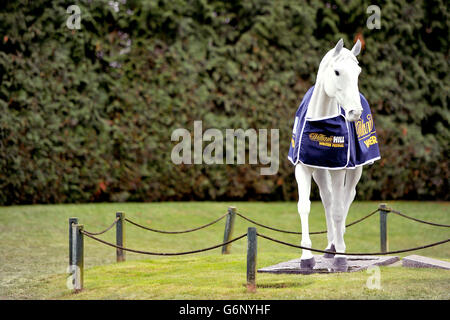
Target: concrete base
[324,265]
[415,261]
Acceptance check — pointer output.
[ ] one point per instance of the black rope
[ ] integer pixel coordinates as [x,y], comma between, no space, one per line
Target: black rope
[363,218]
[295,232]
[101,232]
[176,232]
[352,253]
[415,219]
[163,253]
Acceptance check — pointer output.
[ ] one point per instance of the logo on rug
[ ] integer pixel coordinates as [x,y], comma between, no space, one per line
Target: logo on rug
[364,128]
[364,131]
[327,141]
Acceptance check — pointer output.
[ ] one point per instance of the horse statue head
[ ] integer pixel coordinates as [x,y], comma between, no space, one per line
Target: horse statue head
[338,73]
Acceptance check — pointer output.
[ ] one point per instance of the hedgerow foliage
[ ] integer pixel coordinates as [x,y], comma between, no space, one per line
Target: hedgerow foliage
[87,115]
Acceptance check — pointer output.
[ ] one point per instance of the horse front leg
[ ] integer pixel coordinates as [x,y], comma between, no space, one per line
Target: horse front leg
[322,179]
[303,176]
[338,210]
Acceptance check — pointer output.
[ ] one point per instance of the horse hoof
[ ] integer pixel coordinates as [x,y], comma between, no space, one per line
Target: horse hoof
[307,263]
[330,255]
[340,264]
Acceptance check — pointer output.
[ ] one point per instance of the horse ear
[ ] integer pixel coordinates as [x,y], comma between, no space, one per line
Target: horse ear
[338,47]
[356,48]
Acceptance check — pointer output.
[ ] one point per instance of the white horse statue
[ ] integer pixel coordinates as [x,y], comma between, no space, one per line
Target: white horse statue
[333,137]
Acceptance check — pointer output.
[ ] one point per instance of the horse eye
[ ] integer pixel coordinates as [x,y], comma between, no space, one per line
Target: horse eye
[336,72]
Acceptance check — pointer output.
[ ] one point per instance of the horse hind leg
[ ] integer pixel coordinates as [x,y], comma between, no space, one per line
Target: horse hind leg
[352,178]
[303,176]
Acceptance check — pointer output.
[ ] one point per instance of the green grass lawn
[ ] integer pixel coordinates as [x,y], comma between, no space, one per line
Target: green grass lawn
[34,253]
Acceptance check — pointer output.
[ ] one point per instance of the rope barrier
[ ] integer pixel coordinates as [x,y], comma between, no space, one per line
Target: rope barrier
[163,253]
[76,242]
[295,232]
[176,232]
[352,253]
[101,232]
[92,234]
[415,219]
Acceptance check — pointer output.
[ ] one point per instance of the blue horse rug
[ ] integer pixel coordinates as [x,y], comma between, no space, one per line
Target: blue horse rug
[334,142]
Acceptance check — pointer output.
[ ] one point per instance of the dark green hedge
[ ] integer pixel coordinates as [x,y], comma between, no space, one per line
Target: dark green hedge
[79,121]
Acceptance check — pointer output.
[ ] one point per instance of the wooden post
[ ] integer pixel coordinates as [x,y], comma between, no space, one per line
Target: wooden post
[78,257]
[251,259]
[72,221]
[120,236]
[383,228]
[229,226]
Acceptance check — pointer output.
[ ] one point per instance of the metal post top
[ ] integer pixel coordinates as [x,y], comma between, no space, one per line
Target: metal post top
[383,206]
[73,221]
[120,214]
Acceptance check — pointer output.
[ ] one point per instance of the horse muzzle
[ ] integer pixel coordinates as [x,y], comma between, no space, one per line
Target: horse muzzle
[354,115]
